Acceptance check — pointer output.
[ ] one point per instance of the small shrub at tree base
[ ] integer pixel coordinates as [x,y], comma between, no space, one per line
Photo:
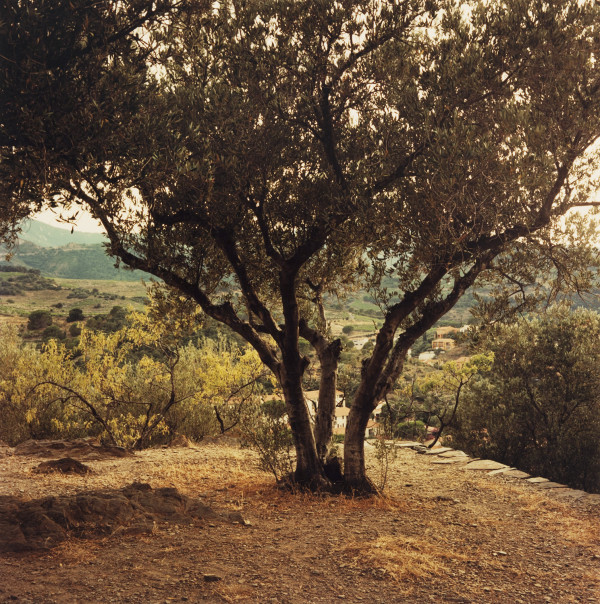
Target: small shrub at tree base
[265,428]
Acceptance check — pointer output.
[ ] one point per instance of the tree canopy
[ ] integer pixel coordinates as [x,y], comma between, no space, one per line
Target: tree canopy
[257,155]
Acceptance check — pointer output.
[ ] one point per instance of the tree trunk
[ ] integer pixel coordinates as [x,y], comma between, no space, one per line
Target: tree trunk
[309,470]
[328,357]
[355,475]
[376,382]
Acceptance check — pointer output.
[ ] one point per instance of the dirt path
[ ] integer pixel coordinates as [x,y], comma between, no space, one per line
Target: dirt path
[443,534]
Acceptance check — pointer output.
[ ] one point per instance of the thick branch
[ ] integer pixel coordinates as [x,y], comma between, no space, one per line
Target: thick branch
[431,314]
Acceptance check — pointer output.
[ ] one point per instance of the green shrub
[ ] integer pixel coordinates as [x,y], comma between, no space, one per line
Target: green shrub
[53,332]
[75,314]
[538,408]
[411,430]
[74,330]
[39,319]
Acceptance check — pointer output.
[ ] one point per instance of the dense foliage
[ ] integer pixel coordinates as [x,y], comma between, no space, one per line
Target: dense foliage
[23,280]
[134,386]
[538,408]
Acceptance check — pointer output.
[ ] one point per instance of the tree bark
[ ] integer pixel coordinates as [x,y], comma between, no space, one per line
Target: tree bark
[355,475]
[309,470]
[329,358]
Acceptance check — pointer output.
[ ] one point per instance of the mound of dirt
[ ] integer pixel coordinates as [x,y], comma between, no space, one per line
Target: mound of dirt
[64,465]
[87,448]
[43,523]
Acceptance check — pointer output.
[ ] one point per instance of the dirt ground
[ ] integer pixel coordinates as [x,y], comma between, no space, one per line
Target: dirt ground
[442,533]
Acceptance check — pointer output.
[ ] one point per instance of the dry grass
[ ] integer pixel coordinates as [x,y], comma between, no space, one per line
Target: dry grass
[562,518]
[74,551]
[402,559]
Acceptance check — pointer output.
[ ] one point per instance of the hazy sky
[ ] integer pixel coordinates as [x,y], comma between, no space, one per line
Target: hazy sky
[85,223]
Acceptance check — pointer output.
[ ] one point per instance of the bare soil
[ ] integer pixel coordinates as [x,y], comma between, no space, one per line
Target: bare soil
[441,533]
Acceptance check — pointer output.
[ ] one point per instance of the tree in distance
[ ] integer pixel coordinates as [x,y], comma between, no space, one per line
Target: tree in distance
[39,319]
[256,156]
[75,314]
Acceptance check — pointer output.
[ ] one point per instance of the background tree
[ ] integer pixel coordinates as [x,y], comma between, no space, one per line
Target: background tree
[538,409]
[276,152]
[75,314]
[39,319]
[441,392]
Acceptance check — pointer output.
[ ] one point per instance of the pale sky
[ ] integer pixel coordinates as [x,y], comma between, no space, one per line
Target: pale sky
[85,223]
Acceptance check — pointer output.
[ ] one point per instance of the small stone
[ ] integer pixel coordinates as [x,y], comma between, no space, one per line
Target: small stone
[236,517]
[212,578]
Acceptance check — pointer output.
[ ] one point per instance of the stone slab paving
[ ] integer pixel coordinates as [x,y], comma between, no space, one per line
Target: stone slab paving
[502,471]
[438,451]
[453,453]
[517,474]
[485,464]
[408,444]
[551,485]
[449,456]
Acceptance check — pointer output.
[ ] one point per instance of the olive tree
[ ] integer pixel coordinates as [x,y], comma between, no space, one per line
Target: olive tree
[258,155]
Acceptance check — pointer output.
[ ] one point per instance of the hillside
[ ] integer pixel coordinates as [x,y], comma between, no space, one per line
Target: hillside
[44,235]
[72,261]
[59,253]
[442,533]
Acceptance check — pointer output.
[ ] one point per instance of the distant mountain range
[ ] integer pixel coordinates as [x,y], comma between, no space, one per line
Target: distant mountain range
[60,253]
